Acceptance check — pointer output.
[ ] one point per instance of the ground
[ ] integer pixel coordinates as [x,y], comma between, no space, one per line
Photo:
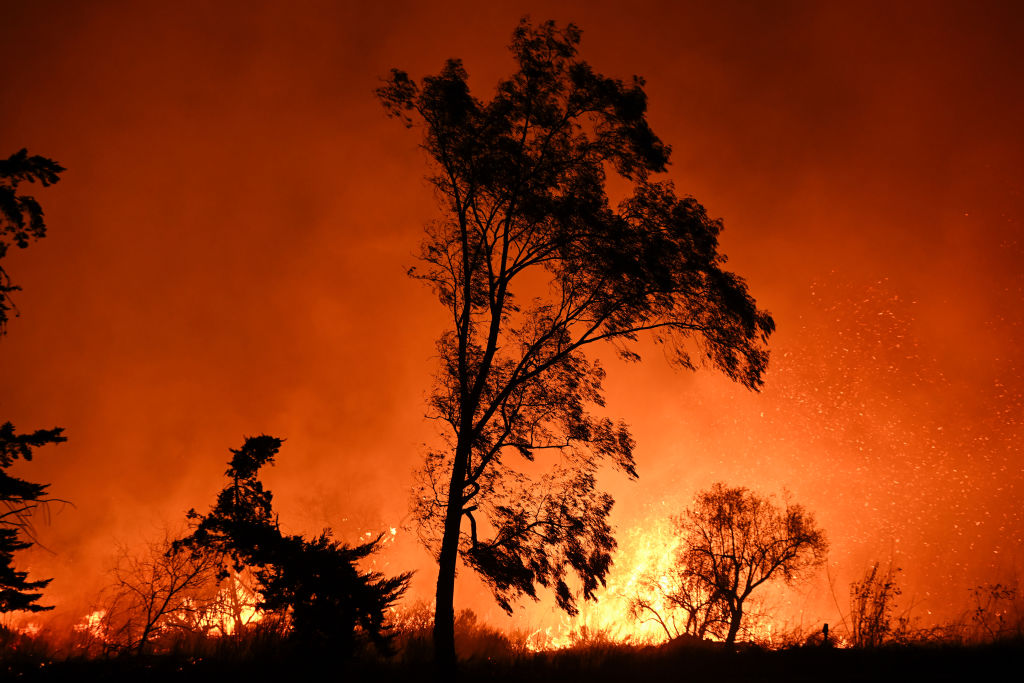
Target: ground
[593,664]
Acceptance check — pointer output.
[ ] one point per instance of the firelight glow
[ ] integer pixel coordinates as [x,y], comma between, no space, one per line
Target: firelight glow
[226,256]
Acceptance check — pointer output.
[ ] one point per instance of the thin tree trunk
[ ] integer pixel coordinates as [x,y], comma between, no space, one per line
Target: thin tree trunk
[444,605]
[734,626]
[236,606]
[141,649]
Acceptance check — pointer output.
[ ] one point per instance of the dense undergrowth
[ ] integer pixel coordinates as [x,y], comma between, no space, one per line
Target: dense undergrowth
[265,653]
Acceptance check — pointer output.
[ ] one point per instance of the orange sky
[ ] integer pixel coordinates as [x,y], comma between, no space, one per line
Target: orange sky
[227,256]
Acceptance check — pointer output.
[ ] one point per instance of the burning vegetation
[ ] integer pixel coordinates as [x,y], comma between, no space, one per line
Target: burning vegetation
[681,594]
[534,267]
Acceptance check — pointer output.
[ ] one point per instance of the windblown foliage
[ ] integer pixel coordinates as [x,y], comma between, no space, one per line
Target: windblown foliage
[532,264]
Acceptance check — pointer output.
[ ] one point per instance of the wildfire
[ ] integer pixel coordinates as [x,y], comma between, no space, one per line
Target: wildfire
[645,554]
[30,629]
[92,624]
[233,608]
[155,610]
[642,570]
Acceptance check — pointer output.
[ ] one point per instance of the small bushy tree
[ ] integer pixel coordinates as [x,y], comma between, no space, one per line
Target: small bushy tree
[997,612]
[317,582]
[872,605]
[735,541]
[155,593]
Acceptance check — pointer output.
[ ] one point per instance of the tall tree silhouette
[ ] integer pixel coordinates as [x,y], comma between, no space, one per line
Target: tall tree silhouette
[21,222]
[329,599]
[532,265]
[735,541]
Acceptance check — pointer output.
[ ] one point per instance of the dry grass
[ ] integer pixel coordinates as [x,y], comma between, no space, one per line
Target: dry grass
[265,654]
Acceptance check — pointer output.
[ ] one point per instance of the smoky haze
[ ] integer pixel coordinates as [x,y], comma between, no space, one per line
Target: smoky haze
[227,255]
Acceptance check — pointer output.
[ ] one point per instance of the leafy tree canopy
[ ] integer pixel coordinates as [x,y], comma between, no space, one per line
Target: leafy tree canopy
[735,540]
[532,263]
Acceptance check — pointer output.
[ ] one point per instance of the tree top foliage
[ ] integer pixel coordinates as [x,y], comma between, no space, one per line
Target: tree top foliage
[21,216]
[523,180]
